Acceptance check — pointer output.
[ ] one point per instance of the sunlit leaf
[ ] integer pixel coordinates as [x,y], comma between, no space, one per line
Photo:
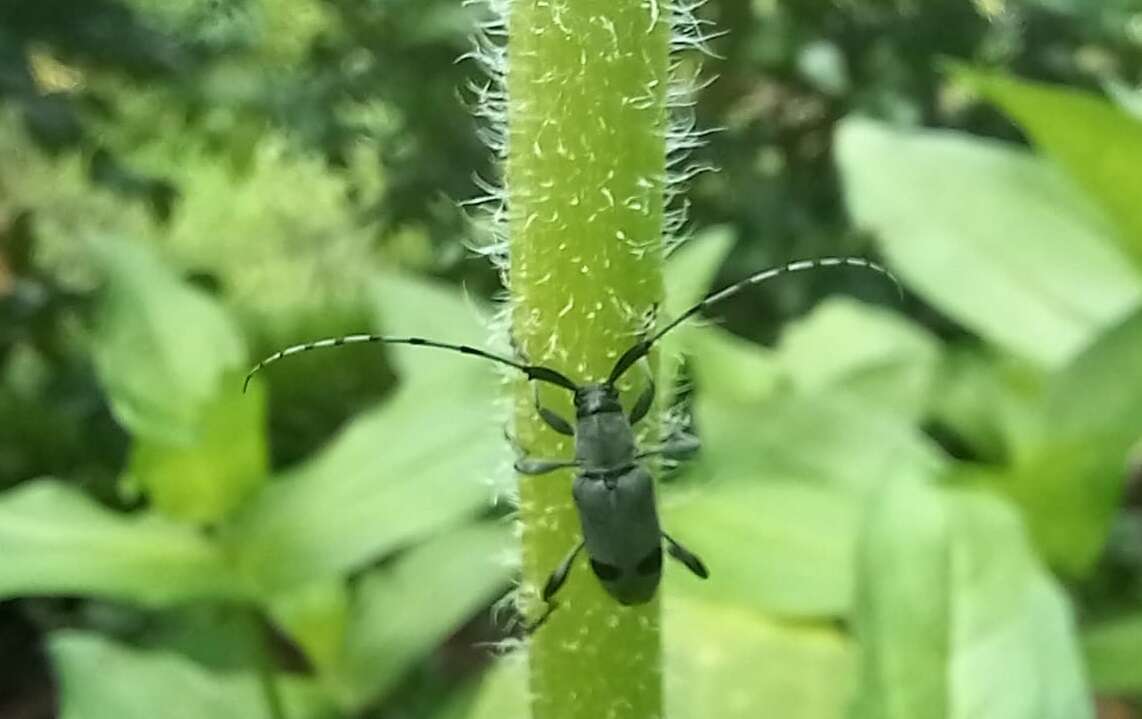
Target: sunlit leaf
[171,361]
[1097,143]
[315,616]
[1070,488]
[56,541]
[726,662]
[103,680]
[868,352]
[398,473]
[786,548]
[836,441]
[955,617]
[404,609]
[225,463]
[992,236]
[161,347]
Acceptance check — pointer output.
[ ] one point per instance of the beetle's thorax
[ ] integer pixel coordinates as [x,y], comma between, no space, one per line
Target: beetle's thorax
[604,440]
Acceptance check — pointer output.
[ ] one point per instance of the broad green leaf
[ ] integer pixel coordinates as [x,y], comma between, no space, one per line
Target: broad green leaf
[56,541]
[226,462]
[867,352]
[1097,143]
[315,617]
[407,306]
[103,680]
[721,661]
[729,368]
[689,272]
[997,239]
[903,612]
[1070,488]
[955,617]
[171,361]
[1114,655]
[405,609]
[782,547]
[692,268]
[835,441]
[162,348]
[991,401]
[417,463]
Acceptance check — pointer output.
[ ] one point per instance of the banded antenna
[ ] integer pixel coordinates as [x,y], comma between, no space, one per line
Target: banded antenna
[640,349]
[533,372]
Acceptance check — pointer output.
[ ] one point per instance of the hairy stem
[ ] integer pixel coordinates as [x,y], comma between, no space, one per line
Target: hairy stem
[585,173]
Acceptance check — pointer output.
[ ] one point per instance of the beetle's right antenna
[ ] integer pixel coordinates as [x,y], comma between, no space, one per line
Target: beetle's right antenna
[640,349]
[533,372]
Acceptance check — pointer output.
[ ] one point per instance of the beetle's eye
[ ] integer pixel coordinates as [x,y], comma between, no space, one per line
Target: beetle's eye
[651,563]
[606,572]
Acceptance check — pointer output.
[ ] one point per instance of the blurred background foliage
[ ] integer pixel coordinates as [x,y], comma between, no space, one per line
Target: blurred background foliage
[922,508]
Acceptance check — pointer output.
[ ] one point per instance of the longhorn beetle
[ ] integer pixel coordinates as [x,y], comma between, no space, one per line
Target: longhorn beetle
[613,490]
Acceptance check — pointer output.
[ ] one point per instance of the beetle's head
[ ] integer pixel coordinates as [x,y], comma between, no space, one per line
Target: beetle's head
[596,399]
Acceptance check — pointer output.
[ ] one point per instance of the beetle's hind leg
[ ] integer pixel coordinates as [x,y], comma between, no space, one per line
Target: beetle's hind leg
[685,556]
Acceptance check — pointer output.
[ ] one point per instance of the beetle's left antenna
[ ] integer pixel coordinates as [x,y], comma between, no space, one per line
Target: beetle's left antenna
[640,349]
[533,372]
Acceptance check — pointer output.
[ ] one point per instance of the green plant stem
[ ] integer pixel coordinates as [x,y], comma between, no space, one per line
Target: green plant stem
[260,642]
[585,179]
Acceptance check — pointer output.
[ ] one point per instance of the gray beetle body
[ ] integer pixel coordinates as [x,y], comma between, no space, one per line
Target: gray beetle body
[613,490]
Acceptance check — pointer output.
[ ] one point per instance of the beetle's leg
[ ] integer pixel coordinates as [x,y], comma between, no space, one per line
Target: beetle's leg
[555,581]
[531,467]
[685,556]
[534,626]
[642,406]
[553,420]
[682,446]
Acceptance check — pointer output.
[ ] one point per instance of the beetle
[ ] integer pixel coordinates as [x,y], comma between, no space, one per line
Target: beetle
[613,489]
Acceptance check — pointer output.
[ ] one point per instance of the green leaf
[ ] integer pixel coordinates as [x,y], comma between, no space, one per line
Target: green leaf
[992,401]
[867,352]
[835,441]
[205,479]
[172,362]
[1097,143]
[408,306]
[398,473]
[956,618]
[103,680]
[692,268]
[316,616]
[902,615]
[162,348]
[1071,487]
[1114,655]
[689,272]
[726,662]
[406,609]
[729,368]
[784,548]
[974,225]
[56,541]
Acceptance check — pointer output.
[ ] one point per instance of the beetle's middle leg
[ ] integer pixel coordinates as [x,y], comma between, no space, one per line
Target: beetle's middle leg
[682,446]
[531,466]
